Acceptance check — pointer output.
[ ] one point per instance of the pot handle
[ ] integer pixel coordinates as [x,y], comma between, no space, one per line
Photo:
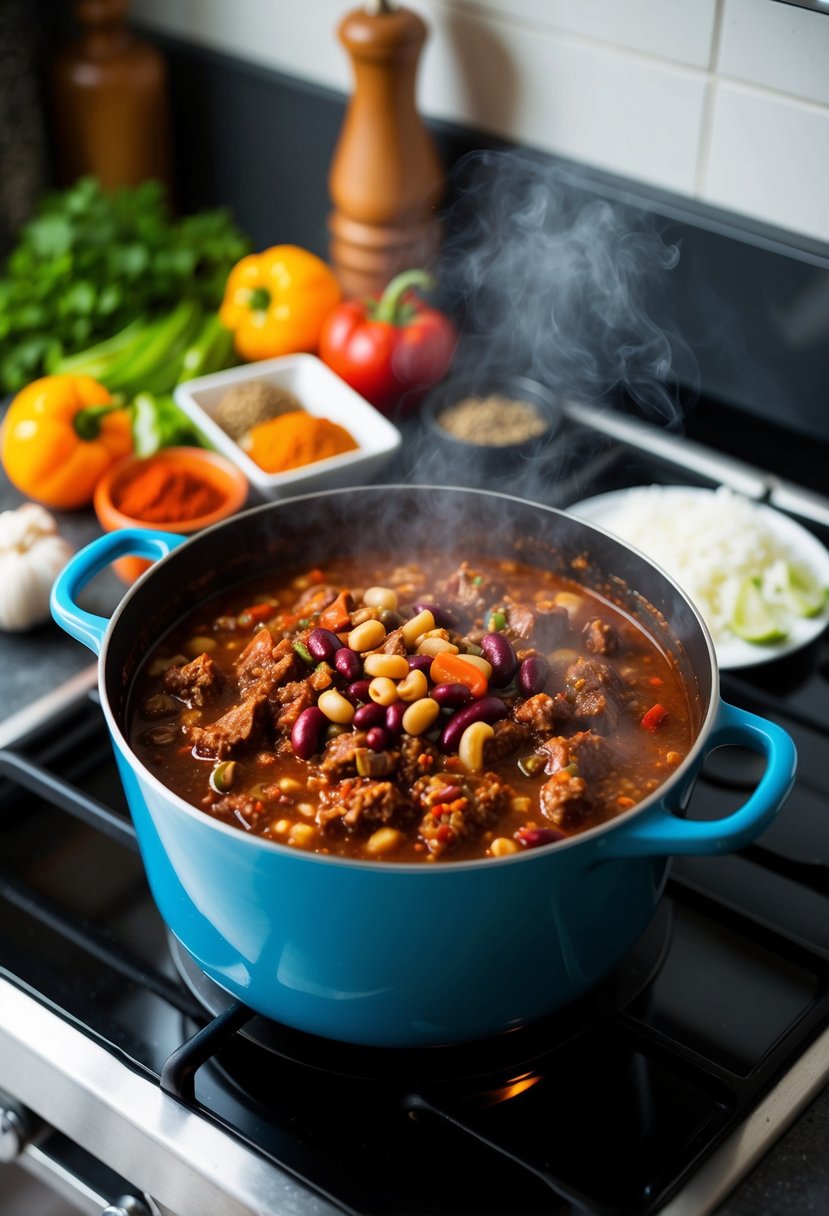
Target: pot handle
[662,833]
[85,626]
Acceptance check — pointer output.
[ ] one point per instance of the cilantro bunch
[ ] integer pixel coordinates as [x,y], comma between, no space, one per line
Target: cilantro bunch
[90,262]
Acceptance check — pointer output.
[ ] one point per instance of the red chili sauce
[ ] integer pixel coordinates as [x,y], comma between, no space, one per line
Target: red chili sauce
[412,712]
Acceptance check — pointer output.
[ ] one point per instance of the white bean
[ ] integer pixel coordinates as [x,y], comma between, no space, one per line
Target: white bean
[471,746]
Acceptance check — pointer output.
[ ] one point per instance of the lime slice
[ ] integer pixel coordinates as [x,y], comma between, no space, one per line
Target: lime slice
[802,593]
[754,619]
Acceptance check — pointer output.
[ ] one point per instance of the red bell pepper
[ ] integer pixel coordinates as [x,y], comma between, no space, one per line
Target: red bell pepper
[392,348]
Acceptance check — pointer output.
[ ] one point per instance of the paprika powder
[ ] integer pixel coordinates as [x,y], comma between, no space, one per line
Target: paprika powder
[164,494]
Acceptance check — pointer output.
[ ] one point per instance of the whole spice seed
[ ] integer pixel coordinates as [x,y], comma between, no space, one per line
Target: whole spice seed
[493,421]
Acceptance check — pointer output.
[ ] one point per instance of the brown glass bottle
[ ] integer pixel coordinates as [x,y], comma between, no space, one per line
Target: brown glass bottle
[386,178]
[110,101]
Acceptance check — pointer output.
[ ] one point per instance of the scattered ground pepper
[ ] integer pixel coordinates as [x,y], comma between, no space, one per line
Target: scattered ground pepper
[494,421]
[253,401]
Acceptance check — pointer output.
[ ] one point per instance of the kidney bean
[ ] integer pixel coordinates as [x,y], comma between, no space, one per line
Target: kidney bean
[452,696]
[306,732]
[377,738]
[323,645]
[368,716]
[348,663]
[444,617]
[531,838]
[419,662]
[500,654]
[358,692]
[394,718]
[532,675]
[485,709]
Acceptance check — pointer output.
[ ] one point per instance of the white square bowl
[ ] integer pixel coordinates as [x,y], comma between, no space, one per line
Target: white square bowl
[321,392]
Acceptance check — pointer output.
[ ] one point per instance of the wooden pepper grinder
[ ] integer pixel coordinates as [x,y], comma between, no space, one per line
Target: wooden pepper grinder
[111,107]
[386,178]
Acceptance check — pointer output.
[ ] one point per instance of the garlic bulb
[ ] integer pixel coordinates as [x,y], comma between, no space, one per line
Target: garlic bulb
[32,554]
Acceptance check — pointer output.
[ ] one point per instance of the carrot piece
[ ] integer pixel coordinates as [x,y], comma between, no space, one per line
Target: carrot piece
[336,616]
[656,714]
[256,612]
[450,668]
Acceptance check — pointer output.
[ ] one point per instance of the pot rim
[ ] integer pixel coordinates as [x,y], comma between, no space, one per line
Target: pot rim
[410,868]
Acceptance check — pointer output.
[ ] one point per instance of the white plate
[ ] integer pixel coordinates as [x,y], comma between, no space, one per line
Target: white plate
[801,547]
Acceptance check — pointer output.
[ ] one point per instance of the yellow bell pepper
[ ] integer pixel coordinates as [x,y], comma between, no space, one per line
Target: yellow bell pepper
[59,435]
[275,302]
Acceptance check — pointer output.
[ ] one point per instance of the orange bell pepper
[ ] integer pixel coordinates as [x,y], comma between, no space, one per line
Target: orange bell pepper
[275,302]
[59,435]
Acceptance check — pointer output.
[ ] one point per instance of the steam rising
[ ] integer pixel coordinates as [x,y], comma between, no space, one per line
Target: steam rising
[554,282]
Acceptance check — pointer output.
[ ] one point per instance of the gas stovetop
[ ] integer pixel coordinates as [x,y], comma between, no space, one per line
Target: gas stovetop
[653,1096]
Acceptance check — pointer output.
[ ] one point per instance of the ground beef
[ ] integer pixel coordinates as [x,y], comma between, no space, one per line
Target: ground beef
[239,728]
[291,700]
[362,804]
[239,807]
[596,692]
[264,664]
[482,799]
[600,637]
[417,757]
[544,713]
[197,683]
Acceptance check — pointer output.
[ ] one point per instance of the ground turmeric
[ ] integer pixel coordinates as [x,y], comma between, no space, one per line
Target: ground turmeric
[295,439]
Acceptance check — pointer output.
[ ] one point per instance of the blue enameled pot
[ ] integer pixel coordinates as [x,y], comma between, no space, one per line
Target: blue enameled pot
[406,955]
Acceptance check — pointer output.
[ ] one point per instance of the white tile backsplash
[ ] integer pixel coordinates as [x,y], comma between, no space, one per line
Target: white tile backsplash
[768,159]
[776,45]
[672,29]
[648,89]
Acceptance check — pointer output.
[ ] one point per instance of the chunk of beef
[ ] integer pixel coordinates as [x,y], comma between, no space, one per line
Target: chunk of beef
[469,591]
[238,729]
[315,598]
[393,643]
[264,664]
[507,739]
[591,755]
[545,623]
[198,683]
[480,801]
[340,756]
[359,803]
[596,692]
[544,713]
[564,800]
[291,700]
[552,626]
[600,637]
